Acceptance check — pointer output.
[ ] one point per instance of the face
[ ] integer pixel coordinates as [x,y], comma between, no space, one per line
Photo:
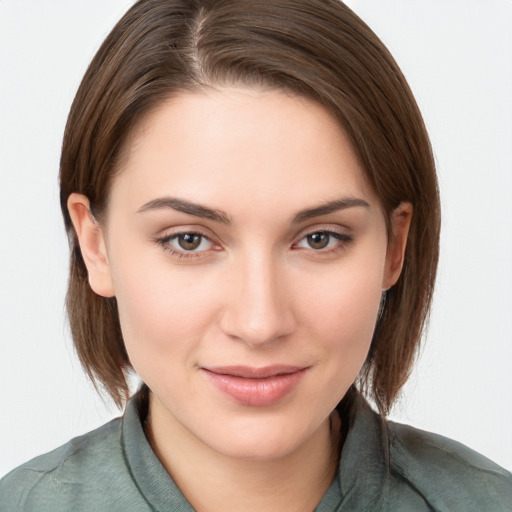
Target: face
[248,255]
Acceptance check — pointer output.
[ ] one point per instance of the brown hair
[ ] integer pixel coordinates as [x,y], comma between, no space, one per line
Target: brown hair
[316,48]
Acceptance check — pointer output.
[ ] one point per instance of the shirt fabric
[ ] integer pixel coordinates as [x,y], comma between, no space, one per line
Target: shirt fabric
[385,467]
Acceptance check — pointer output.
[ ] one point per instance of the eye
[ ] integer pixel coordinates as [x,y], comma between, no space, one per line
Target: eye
[320,240]
[187,242]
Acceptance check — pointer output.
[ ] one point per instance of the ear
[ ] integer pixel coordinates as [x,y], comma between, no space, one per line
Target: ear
[92,244]
[400,223]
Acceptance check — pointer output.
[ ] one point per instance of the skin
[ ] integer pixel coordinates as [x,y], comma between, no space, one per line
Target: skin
[255,292]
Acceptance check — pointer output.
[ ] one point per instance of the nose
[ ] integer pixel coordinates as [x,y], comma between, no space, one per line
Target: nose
[259,308]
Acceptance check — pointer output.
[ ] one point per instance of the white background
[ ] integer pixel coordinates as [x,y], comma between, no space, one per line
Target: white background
[457,55]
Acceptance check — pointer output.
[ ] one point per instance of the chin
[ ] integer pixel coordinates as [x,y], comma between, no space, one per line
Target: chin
[258,450]
[261,442]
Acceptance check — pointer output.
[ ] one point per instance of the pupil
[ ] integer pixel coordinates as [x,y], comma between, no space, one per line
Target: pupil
[189,241]
[318,240]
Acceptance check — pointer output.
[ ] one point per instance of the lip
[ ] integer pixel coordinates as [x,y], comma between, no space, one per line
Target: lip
[255,387]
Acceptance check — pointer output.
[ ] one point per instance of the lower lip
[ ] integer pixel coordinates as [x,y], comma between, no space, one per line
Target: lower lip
[256,392]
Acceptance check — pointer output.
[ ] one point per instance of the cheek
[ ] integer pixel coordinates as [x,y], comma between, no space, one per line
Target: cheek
[345,302]
[340,313]
[348,328]
[357,308]
[162,310]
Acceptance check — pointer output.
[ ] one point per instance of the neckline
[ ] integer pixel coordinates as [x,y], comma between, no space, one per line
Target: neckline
[360,482]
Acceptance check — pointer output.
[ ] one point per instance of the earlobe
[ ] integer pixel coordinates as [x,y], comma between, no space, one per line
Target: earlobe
[400,223]
[92,245]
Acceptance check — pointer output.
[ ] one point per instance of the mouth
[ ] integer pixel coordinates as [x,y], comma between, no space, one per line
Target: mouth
[249,372]
[256,387]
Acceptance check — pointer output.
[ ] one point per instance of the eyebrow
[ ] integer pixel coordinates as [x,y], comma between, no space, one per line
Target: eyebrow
[329,207]
[181,205]
[198,210]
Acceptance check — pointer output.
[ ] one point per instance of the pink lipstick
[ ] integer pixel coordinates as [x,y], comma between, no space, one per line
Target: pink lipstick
[256,387]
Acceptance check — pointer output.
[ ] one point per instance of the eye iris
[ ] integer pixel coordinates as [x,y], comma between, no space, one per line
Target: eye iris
[189,241]
[318,240]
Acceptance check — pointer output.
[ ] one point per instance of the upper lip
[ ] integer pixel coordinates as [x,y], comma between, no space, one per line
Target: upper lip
[250,372]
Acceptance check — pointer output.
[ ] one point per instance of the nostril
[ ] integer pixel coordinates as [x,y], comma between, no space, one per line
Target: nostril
[257,327]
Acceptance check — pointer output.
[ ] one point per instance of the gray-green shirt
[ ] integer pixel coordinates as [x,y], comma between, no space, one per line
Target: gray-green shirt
[384,467]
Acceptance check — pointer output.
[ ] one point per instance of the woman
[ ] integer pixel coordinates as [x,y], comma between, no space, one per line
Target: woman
[253,212]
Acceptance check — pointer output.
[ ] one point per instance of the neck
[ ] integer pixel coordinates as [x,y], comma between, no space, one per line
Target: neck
[212,481]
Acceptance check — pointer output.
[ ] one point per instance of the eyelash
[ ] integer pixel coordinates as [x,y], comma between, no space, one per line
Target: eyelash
[342,238]
[164,242]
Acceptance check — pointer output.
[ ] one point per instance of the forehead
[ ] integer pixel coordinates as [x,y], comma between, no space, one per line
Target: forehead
[252,145]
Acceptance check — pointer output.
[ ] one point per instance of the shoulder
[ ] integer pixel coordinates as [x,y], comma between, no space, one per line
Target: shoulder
[61,478]
[448,475]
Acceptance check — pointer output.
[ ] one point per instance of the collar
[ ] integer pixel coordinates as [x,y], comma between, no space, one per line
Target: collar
[364,463]
[150,477]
